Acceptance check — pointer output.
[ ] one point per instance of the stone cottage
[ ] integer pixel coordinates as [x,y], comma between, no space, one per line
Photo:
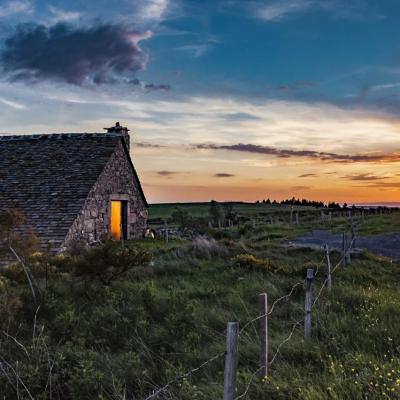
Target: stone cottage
[73,186]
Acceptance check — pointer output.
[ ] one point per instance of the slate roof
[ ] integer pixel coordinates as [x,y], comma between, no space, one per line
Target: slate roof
[48,177]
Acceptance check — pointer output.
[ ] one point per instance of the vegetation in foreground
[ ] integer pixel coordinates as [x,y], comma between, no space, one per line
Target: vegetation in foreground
[117,322]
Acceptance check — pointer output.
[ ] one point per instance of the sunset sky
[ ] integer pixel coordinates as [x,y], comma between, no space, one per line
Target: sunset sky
[225,99]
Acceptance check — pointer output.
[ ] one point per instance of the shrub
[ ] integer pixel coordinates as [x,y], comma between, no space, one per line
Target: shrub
[10,305]
[109,261]
[252,263]
[206,248]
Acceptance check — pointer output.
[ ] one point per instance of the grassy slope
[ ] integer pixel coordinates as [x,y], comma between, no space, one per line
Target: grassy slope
[163,320]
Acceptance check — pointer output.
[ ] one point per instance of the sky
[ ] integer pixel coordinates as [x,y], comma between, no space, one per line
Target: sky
[226,99]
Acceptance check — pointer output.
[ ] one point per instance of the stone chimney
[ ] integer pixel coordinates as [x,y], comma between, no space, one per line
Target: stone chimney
[123,131]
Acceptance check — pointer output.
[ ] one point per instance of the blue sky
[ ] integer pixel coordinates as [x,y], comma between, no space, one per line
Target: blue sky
[295,79]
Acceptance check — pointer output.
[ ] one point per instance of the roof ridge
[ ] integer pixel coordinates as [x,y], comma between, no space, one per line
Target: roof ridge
[7,138]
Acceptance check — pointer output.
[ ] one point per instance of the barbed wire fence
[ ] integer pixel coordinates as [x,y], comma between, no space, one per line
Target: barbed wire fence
[233,334]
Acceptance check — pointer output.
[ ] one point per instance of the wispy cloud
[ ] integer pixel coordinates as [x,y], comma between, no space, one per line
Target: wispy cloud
[153,10]
[364,177]
[299,188]
[60,15]
[310,154]
[149,145]
[223,175]
[12,104]
[307,176]
[16,7]
[278,10]
[166,173]
[383,185]
[240,116]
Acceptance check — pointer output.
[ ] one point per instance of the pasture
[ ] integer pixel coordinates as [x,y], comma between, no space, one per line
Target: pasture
[158,328]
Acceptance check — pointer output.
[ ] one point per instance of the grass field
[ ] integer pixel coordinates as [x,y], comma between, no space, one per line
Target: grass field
[201,209]
[155,322]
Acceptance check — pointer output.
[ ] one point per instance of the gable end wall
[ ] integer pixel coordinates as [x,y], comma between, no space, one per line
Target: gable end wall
[116,182]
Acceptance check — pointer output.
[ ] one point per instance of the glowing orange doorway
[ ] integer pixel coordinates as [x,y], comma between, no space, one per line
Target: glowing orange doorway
[116,219]
[119,219]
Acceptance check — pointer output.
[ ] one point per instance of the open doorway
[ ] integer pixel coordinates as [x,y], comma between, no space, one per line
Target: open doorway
[119,219]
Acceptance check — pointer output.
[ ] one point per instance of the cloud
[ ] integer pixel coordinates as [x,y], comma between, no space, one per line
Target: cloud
[278,10]
[223,175]
[197,50]
[310,154]
[146,145]
[382,185]
[149,87]
[364,177]
[16,7]
[299,188]
[240,116]
[275,11]
[95,55]
[153,10]
[12,104]
[166,173]
[63,15]
[153,86]
[307,176]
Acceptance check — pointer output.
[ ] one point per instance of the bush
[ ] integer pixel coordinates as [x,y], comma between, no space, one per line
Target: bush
[252,263]
[109,261]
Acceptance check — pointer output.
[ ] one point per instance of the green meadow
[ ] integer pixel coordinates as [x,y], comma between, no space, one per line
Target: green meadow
[121,321]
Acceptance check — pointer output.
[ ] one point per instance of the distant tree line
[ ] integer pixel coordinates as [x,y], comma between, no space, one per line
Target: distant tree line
[304,202]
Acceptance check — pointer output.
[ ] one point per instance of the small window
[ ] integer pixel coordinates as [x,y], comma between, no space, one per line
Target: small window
[119,219]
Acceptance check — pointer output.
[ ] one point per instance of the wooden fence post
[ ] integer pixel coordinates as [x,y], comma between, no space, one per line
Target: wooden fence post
[328,269]
[263,311]
[344,258]
[353,237]
[166,231]
[308,304]
[231,359]
[348,250]
[297,218]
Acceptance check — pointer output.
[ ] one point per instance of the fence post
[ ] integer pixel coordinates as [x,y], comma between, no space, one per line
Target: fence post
[231,359]
[297,218]
[166,231]
[308,304]
[328,269]
[348,250]
[353,237]
[344,258]
[263,310]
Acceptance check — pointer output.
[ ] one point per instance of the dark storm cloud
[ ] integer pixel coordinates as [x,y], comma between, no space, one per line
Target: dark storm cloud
[99,54]
[223,175]
[311,154]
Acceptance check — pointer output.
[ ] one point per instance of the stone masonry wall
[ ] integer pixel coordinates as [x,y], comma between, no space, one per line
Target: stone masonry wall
[116,182]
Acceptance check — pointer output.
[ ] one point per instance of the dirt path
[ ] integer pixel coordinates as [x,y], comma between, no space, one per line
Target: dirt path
[387,244]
